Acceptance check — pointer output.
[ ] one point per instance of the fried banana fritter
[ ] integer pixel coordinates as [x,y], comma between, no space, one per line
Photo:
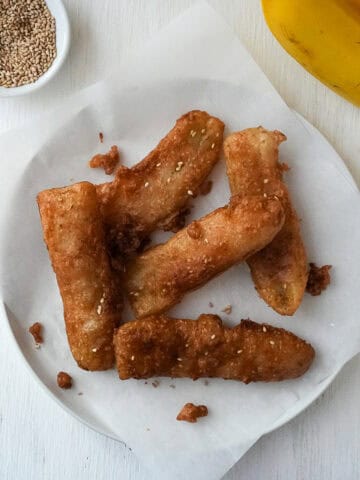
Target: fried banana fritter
[249,352]
[73,233]
[279,271]
[155,192]
[159,278]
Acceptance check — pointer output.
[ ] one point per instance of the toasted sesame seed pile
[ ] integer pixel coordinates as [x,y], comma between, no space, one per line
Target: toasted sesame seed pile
[27,41]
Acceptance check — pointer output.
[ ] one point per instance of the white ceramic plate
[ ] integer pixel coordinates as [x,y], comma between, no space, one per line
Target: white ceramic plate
[136,121]
[58,11]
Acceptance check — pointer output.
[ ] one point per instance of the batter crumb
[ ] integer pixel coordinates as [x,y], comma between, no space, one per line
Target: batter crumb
[36,332]
[108,161]
[319,279]
[64,380]
[190,412]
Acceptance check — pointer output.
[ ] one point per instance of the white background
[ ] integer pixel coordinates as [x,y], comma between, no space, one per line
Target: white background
[40,441]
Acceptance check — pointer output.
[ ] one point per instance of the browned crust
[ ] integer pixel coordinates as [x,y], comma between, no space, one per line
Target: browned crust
[249,352]
[279,270]
[156,191]
[73,233]
[160,277]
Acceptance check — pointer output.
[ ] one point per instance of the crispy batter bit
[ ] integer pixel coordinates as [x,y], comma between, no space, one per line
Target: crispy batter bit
[279,271]
[249,352]
[155,192]
[36,332]
[190,412]
[207,247]
[206,187]
[64,380]
[108,161]
[319,279]
[101,137]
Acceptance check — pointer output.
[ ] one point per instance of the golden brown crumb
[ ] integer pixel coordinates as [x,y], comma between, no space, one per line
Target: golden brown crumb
[36,332]
[108,161]
[64,380]
[227,309]
[284,167]
[190,412]
[101,137]
[206,187]
[319,279]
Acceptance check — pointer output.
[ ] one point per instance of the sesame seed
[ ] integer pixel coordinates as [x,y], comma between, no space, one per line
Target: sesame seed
[190,192]
[158,164]
[179,359]
[186,345]
[212,146]
[265,195]
[179,166]
[203,131]
[133,358]
[168,180]
[206,240]
[264,329]
[146,184]
[213,336]
[193,133]
[99,309]
[94,350]
[272,342]
[239,351]
[266,180]
[206,353]
[227,309]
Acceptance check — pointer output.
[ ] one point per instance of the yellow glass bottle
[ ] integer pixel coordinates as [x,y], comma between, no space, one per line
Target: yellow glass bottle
[323,36]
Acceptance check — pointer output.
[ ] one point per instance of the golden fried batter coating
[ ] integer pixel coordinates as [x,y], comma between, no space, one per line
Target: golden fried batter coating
[159,278]
[249,352]
[155,191]
[279,270]
[73,233]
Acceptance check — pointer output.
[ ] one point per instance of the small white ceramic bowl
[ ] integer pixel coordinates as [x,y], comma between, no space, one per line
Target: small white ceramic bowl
[58,11]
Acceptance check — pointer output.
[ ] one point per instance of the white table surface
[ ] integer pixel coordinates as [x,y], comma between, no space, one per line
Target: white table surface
[38,440]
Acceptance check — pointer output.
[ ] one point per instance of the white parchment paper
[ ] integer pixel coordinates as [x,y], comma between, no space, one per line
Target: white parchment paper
[195,62]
